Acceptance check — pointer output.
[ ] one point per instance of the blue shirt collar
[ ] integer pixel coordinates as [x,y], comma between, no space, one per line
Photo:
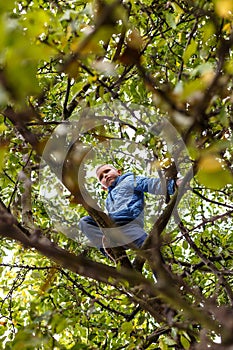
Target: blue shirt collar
[119,179]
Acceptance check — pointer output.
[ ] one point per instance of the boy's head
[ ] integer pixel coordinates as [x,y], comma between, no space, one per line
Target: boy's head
[107,174]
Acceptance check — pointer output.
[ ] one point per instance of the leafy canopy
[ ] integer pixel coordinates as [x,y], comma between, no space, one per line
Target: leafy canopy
[144,85]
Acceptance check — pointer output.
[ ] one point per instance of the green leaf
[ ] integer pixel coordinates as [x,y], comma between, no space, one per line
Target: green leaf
[229,66]
[163,345]
[59,323]
[191,87]
[177,8]
[185,244]
[170,18]
[190,51]
[25,339]
[185,342]
[212,174]
[3,152]
[208,30]
[6,5]
[126,327]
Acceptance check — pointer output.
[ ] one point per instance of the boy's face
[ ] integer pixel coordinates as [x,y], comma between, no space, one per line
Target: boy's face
[107,175]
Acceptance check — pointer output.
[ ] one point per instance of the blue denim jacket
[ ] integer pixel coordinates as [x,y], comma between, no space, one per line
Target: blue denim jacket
[125,200]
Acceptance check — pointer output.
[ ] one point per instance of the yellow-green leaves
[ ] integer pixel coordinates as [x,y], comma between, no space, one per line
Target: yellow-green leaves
[224,8]
[173,18]
[201,78]
[3,149]
[213,173]
[207,31]
[229,66]
[21,51]
[6,5]
[170,18]
[36,22]
[190,50]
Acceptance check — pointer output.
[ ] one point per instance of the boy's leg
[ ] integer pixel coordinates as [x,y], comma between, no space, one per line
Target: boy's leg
[91,230]
[139,242]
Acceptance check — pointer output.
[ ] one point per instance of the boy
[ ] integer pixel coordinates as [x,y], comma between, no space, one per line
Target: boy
[124,203]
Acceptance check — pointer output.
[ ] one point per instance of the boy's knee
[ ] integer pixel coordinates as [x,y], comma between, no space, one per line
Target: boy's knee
[84,221]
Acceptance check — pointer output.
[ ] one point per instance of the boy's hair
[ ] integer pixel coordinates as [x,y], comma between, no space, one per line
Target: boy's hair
[100,166]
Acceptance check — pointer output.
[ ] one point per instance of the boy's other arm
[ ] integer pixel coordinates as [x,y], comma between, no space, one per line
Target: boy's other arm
[154,185]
